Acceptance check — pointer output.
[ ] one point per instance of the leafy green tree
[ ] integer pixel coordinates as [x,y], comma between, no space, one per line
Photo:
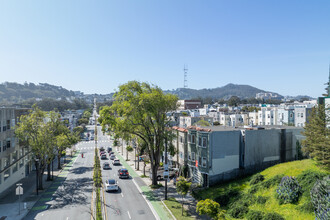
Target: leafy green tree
[317,142]
[140,110]
[182,187]
[234,101]
[83,121]
[210,208]
[202,123]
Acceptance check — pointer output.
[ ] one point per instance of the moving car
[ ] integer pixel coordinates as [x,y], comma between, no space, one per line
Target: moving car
[112,157]
[123,173]
[103,157]
[109,149]
[106,166]
[116,162]
[111,185]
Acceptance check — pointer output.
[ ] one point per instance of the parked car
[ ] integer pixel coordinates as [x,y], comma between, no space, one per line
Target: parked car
[106,166]
[111,185]
[116,162]
[92,138]
[102,152]
[112,157]
[103,157]
[123,173]
[160,173]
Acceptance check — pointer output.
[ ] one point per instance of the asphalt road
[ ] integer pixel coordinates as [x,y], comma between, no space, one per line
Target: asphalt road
[128,202]
[72,191]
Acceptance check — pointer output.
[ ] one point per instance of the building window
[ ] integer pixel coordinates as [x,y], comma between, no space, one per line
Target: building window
[200,141]
[204,162]
[204,142]
[200,161]
[6,174]
[193,156]
[302,115]
[8,143]
[193,139]
[181,155]
[298,115]
[189,138]
[181,139]
[8,124]
[15,167]
[189,156]
[4,145]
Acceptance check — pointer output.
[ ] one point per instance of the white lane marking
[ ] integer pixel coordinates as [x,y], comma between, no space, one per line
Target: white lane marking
[67,218]
[114,174]
[129,215]
[148,202]
[122,195]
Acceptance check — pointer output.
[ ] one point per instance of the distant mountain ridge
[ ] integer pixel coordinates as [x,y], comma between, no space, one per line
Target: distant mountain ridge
[11,92]
[225,92]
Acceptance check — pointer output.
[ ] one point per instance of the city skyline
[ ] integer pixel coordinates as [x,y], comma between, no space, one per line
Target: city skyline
[275,46]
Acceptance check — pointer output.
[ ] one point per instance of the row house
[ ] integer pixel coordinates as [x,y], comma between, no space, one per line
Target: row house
[15,160]
[219,153]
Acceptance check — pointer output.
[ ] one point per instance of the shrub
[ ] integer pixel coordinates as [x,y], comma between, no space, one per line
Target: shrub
[273,216]
[306,207]
[289,190]
[261,199]
[320,196]
[238,210]
[275,180]
[254,215]
[254,189]
[257,178]
[224,197]
[248,199]
[307,180]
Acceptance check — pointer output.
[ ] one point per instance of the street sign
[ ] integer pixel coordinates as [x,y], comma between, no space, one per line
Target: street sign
[19,190]
[166,174]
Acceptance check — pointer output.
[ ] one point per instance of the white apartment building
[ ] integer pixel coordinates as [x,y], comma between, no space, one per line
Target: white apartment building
[15,160]
[253,118]
[301,114]
[267,116]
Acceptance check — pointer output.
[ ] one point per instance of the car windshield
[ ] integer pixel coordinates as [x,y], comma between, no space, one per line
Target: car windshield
[112,181]
[123,170]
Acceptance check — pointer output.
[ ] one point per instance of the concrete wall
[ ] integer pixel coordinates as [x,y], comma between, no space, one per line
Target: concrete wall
[261,146]
[224,151]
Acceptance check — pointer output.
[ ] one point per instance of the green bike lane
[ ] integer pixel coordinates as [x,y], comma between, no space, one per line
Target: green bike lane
[146,191]
[47,196]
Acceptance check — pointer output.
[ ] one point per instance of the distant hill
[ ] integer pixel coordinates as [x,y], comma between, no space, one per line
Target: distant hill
[11,92]
[225,92]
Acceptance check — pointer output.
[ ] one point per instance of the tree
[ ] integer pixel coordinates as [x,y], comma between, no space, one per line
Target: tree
[182,187]
[210,208]
[317,142]
[128,149]
[140,110]
[234,101]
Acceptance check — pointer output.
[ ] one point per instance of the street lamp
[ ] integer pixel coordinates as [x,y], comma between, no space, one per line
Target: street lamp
[37,166]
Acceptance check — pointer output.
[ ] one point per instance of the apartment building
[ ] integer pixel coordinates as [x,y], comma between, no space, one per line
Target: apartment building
[219,153]
[15,160]
[267,116]
[188,104]
[301,114]
[285,115]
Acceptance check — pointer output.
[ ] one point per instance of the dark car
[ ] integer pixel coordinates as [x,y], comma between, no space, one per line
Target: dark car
[123,173]
[109,149]
[106,166]
[103,157]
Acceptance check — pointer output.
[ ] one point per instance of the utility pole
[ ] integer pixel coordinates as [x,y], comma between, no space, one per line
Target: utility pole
[185,73]
[166,166]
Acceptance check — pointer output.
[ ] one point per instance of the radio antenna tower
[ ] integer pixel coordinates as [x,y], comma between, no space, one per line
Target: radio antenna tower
[185,73]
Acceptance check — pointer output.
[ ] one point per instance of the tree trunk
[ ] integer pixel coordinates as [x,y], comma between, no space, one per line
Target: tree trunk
[40,178]
[154,174]
[59,161]
[48,172]
[182,206]
[126,154]
[138,161]
[144,169]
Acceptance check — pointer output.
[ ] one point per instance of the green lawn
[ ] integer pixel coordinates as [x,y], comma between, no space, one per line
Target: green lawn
[240,191]
[176,209]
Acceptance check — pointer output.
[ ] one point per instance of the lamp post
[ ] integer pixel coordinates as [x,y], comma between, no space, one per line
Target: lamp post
[37,172]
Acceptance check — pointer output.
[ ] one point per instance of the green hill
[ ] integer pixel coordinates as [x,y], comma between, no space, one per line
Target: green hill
[240,196]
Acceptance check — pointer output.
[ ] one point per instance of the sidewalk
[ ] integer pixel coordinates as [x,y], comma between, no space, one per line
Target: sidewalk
[9,202]
[190,202]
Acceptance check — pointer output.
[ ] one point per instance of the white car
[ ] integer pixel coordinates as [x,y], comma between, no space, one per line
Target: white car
[111,185]
[116,162]
[112,157]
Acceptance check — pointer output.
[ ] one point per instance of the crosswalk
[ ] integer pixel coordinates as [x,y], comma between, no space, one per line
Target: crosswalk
[85,148]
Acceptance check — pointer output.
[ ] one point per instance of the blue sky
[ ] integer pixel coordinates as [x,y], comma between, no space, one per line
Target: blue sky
[94,46]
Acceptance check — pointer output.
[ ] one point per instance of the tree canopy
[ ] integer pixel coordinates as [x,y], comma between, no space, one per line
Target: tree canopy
[140,110]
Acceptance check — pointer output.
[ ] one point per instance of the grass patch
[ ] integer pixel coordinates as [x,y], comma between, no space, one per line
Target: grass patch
[176,209]
[260,196]
[156,186]
[143,176]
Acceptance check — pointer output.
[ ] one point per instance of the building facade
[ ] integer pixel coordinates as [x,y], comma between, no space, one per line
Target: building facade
[15,160]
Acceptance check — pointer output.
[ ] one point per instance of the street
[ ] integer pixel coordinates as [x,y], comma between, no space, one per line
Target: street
[128,202]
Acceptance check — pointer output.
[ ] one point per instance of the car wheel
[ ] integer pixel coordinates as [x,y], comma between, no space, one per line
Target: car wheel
[159,177]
